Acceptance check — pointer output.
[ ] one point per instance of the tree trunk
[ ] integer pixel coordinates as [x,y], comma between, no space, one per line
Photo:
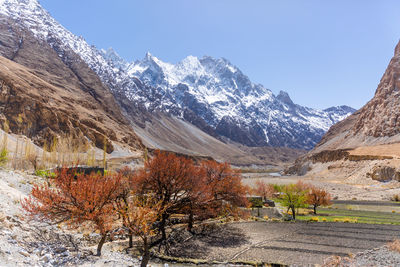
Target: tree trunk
[146,253]
[100,245]
[130,239]
[294,213]
[162,227]
[190,222]
[315,209]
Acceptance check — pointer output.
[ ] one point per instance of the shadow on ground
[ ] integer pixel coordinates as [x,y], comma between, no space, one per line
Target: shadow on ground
[203,239]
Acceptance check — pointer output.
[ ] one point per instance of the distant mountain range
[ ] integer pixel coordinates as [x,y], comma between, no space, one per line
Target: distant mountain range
[226,100]
[207,94]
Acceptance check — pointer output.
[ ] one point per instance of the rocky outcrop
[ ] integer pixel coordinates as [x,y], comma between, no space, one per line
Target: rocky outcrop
[380,117]
[329,155]
[385,173]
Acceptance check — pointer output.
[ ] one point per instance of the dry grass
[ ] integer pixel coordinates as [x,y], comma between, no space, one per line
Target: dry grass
[392,150]
[23,154]
[337,261]
[394,246]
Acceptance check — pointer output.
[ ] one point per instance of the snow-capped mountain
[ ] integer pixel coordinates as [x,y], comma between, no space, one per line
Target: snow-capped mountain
[226,99]
[212,94]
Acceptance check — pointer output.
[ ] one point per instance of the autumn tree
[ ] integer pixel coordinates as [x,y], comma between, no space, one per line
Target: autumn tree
[293,196]
[226,191]
[74,200]
[264,189]
[139,216]
[199,198]
[171,180]
[318,197]
[123,195]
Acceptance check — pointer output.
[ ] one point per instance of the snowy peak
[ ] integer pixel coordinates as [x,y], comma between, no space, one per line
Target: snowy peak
[113,58]
[205,73]
[285,98]
[340,110]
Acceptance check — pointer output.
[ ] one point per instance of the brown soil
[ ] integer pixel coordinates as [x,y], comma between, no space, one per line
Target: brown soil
[297,243]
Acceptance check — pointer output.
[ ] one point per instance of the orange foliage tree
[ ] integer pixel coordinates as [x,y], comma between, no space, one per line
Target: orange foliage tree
[318,197]
[74,200]
[225,189]
[124,193]
[139,216]
[171,179]
[264,189]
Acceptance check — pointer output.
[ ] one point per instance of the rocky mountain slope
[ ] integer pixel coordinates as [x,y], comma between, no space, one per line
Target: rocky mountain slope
[365,147]
[44,94]
[376,123]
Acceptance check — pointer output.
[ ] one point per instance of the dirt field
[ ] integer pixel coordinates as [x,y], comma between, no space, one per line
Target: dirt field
[299,243]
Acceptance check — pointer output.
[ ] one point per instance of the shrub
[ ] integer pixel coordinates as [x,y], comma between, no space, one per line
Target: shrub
[394,246]
[45,174]
[346,220]
[314,219]
[393,211]
[3,156]
[324,219]
[395,198]
[266,217]
[336,220]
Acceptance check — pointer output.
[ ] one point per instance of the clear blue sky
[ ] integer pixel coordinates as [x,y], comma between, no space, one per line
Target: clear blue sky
[324,53]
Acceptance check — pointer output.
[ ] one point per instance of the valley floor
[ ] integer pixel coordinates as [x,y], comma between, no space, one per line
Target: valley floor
[339,187]
[29,243]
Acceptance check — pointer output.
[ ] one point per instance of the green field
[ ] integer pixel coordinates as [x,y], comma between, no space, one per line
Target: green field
[359,214]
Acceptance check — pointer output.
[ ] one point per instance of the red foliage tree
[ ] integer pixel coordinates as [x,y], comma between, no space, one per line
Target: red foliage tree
[264,189]
[77,199]
[171,179]
[318,197]
[124,193]
[225,189]
[139,215]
